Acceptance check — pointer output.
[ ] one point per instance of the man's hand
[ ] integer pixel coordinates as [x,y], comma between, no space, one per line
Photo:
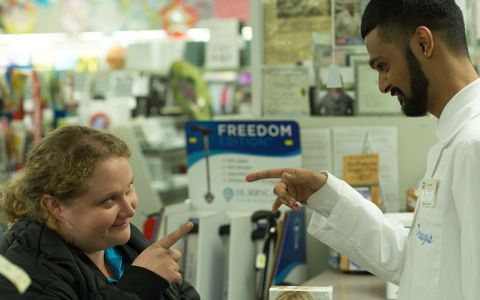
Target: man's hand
[296,185]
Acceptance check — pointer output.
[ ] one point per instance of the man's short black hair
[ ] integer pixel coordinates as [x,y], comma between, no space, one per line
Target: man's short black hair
[397,20]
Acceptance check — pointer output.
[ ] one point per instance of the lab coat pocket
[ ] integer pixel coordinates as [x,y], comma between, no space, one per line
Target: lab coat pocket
[427,241]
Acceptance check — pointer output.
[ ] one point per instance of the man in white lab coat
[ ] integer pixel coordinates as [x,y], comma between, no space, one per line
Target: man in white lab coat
[347,21]
[419,49]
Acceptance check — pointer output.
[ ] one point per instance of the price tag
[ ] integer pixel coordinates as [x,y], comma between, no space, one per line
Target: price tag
[260,261]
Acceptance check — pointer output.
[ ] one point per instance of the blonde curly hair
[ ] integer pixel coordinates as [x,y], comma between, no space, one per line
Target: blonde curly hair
[59,165]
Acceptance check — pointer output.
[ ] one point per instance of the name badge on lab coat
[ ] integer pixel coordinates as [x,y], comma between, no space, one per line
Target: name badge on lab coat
[428,192]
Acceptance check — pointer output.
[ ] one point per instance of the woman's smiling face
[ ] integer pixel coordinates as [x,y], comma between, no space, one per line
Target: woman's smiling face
[99,218]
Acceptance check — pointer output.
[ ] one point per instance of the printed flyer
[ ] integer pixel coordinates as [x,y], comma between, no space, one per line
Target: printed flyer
[221,153]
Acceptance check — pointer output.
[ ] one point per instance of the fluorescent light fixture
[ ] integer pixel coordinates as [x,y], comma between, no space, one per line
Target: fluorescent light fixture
[134,35]
[192,34]
[33,37]
[4,60]
[22,60]
[198,34]
[224,76]
[91,36]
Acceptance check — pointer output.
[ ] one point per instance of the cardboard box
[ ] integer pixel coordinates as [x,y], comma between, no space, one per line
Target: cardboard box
[301,293]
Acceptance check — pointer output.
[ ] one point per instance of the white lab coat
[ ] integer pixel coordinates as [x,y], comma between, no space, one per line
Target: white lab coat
[440,258]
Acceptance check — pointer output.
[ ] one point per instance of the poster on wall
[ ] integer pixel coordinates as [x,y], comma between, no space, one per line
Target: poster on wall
[285,90]
[347,19]
[371,139]
[222,50]
[221,153]
[238,9]
[288,28]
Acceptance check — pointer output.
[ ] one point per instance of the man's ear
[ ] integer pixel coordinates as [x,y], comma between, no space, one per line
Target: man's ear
[53,206]
[423,41]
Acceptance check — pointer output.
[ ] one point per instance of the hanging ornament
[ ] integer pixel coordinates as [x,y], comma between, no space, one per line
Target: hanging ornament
[137,17]
[44,3]
[152,8]
[76,15]
[115,57]
[18,16]
[177,18]
[106,16]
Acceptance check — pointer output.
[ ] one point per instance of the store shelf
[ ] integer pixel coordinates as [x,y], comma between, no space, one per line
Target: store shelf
[178,182]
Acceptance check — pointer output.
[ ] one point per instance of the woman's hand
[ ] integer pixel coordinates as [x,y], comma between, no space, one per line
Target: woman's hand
[162,260]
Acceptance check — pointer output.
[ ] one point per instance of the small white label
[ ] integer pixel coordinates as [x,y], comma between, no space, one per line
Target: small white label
[428,192]
[15,274]
[260,261]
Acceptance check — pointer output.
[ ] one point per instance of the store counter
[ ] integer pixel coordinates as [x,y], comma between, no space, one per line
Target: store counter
[351,286]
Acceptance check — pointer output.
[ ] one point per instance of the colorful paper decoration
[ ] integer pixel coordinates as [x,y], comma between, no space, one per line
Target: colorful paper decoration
[140,14]
[76,15]
[44,3]
[203,7]
[106,16]
[177,18]
[99,120]
[18,16]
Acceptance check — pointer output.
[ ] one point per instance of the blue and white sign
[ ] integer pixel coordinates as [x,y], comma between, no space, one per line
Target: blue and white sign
[221,153]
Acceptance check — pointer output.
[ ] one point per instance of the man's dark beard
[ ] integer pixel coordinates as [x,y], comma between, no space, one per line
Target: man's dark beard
[416,104]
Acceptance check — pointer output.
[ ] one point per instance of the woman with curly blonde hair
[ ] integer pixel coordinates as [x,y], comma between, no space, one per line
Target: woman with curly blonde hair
[69,211]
